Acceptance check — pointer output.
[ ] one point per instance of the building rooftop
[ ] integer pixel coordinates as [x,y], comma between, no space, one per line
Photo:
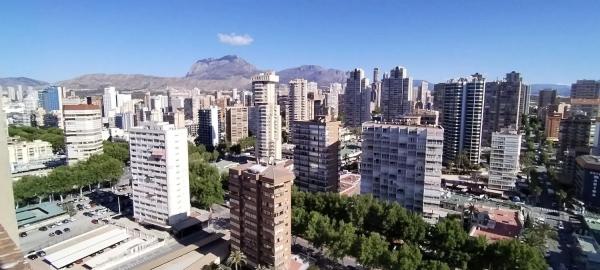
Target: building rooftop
[297,263]
[224,165]
[592,221]
[37,212]
[81,107]
[81,246]
[496,224]
[589,248]
[349,183]
[408,121]
[589,162]
[277,173]
[350,150]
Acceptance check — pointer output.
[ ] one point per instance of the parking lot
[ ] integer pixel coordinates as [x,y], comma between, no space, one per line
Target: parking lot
[92,211]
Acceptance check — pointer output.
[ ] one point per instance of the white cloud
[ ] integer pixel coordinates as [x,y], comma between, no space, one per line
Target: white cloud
[235,40]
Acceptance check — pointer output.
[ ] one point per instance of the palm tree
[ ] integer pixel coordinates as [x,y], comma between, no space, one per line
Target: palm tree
[236,259]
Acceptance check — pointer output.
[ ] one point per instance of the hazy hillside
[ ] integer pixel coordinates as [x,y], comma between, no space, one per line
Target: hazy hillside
[313,73]
[25,82]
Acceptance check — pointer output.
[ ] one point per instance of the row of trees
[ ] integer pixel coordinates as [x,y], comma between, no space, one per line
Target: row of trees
[105,168]
[206,184]
[533,126]
[54,136]
[387,236]
[236,149]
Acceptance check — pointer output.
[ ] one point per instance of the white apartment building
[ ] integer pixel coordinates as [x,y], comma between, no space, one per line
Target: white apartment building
[462,117]
[504,159]
[23,154]
[124,103]
[83,131]
[298,100]
[402,162]
[267,116]
[208,127]
[159,170]
[332,99]
[109,102]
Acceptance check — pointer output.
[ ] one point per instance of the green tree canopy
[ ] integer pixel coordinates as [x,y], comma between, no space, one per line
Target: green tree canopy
[54,136]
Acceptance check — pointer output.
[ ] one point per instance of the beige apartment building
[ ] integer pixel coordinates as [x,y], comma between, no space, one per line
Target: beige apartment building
[261,214]
[316,155]
[237,124]
[83,131]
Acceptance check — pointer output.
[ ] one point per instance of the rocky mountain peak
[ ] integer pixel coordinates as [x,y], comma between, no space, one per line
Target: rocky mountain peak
[221,68]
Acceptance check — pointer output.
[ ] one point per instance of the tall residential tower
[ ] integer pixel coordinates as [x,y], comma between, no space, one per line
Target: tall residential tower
[268,118]
[396,94]
[462,117]
[159,172]
[83,131]
[357,99]
[261,214]
[402,162]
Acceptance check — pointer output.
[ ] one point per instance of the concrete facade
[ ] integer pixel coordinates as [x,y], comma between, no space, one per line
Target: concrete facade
[160,176]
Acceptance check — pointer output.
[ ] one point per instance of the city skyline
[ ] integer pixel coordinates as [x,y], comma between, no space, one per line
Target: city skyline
[546,43]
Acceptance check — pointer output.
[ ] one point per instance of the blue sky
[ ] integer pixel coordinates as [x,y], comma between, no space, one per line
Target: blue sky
[547,41]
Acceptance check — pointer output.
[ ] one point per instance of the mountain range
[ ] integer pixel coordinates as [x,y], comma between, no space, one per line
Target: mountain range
[227,72]
[230,71]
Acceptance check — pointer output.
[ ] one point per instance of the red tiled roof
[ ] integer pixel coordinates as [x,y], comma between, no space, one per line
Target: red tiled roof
[507,225]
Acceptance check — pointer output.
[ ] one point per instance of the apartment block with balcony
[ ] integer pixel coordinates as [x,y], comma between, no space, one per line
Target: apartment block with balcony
[504,159]
[237,124]
[261,214]
[462,117]
[83,131]
[402,162]
[316,155]
[159,171]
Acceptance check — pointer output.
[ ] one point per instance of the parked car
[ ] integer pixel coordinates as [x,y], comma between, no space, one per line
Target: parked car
[32,257]
[51,234]
[43,228]
[66,221]
[95,221]
[58,232]
[41,253]
[80,261]
[23,234]
[66,230]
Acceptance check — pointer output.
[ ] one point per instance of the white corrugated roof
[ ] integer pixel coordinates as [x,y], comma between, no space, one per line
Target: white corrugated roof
[80,250]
